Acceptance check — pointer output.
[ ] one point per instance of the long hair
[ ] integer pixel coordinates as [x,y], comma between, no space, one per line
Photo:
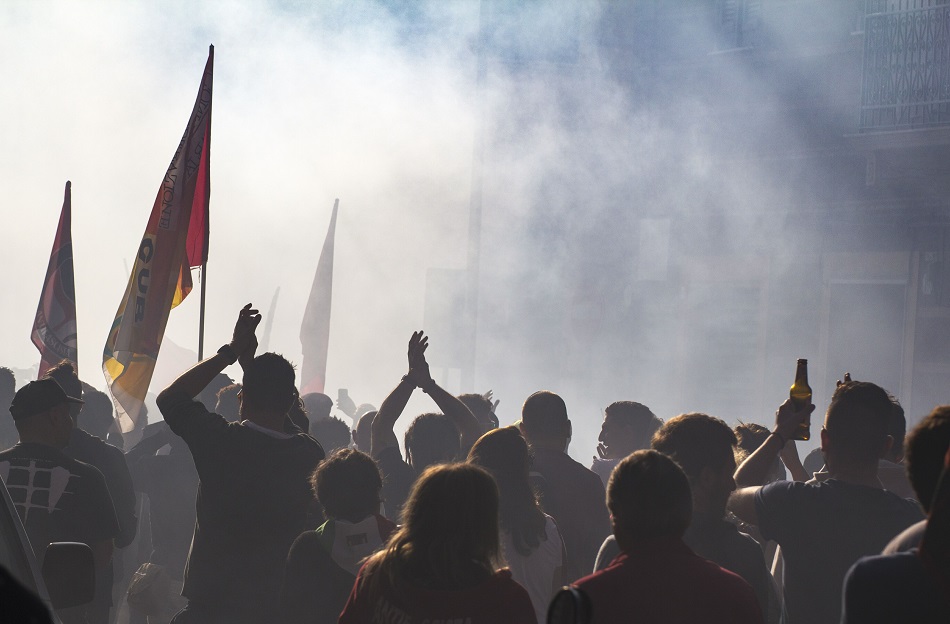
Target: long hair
[504,453]
[449,534]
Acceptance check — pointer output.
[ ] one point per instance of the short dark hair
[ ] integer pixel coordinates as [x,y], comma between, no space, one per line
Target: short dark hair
[648,496]
[481,408]
[332,433]
[65,375]
[924,452]
[857,421]
[269,383]
[696,441]
[347,484]
[228,404]
[750,436]
[432,438]
[544,414]
[639,418]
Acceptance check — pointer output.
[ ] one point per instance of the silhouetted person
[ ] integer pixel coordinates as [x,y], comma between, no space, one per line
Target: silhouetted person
[8,433]
[318,406]
[627,427]
[824,527]
[363,432]
[58,498]
[749,437]
[323,564]
[442,564]
[925,447]
[482,409]
[254,492]
[332,433]
[229,403]
[530,540]
[571,493]
[704,447]
[430,439]
[170,481]
[86,444]
[657,578]
[890,468]
[911,586]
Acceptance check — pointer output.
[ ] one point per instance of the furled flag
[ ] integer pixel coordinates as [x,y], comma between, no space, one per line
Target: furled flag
[175,239]
[54,329]
[315,329]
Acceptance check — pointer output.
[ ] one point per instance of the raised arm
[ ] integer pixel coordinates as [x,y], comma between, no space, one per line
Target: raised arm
[382,435]
[196,378]
[754,470]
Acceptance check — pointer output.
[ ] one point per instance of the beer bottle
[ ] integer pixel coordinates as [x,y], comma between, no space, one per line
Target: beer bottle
[800,394]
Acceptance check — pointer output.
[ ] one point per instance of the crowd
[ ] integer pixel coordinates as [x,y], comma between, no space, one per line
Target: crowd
[250,504]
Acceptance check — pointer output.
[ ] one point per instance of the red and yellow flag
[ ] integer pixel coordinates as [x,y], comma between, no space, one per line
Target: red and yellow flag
[175,239]
[54,328]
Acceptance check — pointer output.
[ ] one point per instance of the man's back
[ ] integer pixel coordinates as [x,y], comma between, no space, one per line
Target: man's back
[58,498]
[253,500]
[823,528]
[575,497]
[663,581]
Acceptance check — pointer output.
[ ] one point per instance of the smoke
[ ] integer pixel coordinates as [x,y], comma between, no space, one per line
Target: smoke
[628,227]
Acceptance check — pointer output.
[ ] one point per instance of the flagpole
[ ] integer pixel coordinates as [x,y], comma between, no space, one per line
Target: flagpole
[201,313]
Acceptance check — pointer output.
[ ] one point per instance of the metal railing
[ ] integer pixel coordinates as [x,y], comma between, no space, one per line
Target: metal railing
[906,81]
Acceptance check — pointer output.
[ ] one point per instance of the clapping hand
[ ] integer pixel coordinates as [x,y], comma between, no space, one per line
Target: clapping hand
[418,367]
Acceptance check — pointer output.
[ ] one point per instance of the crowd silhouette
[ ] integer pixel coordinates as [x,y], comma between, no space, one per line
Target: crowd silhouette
[249,503]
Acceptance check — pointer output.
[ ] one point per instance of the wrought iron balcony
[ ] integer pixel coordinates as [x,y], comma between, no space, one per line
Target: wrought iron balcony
[906,65]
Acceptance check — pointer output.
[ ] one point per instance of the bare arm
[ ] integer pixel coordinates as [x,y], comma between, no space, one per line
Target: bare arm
[755,469]
[196,378]
[382,435]
[742,504]
[793,462]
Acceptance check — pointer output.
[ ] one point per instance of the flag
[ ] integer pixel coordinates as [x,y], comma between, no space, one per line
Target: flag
[175,239]
[54,329]
[315,329]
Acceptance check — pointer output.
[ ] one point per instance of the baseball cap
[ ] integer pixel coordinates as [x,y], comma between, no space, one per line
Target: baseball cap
[39,396]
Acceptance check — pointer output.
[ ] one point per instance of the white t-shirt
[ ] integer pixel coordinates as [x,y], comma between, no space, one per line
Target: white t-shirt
[536,571]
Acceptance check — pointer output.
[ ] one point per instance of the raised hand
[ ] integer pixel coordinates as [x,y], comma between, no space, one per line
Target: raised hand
[418,367]
[847,379]
[244,338]
[788,418]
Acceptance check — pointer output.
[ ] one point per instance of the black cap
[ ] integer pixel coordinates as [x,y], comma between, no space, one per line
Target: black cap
[39,396]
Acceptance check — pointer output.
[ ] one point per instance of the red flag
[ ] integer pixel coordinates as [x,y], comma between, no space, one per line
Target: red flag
[161,276]
[54,329]
[315,329]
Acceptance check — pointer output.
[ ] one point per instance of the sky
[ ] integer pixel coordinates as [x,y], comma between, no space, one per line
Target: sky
[311,103]
[378,104]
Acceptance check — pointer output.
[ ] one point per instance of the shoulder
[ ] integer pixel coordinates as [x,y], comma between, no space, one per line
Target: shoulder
[907,539]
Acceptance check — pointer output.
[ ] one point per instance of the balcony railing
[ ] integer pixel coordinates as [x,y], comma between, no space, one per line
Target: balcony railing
[906,65]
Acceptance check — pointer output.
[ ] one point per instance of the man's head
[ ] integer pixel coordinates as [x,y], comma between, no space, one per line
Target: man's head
[209,395]
[897,429]
[40,411]
[65,375]
[924,452]
[229,403]
[96,416]
[648,497]
[431,439]
[347,485]
[544,421]
[628,427]
[750,437]
[7,387]
[268,386]
[704,447]
[481,409]
[318,406]
[332,433]
[856,424]
[362,435]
